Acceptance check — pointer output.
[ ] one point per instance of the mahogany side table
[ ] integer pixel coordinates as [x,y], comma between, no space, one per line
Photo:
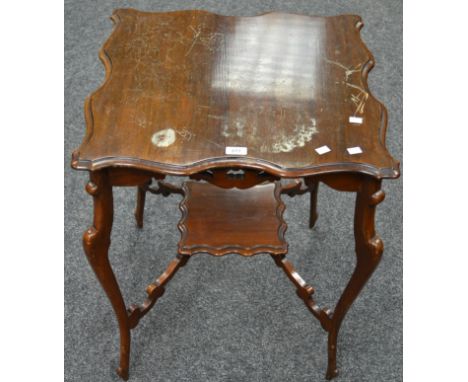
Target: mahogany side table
[247,108]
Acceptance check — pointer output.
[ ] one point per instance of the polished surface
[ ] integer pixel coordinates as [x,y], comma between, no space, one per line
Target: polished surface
[220,221]
[182,86]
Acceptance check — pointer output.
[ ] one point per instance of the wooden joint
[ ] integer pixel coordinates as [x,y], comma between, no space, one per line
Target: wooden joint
[294,188]
[92,240]
[165,189]
[92,188]
[90,236]
[377,245]
[134,315]
[154,291]
[305,292]
[377,197]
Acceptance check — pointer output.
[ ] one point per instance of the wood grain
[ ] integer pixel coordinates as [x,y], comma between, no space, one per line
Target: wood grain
[181,86]
[220,221]
[96,242]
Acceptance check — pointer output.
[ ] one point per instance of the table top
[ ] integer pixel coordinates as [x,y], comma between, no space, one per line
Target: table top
[186,91]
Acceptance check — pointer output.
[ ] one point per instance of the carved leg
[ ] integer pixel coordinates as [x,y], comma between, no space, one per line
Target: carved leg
[140,205]
[313,205]
[96,242]
[369,248]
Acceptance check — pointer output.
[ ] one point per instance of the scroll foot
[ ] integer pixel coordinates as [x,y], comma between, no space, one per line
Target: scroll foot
[331,373]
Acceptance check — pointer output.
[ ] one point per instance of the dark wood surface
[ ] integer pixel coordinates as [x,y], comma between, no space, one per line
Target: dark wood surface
[181,86]
[220,221]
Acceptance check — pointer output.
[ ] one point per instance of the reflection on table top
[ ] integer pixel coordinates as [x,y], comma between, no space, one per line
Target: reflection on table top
[182,86]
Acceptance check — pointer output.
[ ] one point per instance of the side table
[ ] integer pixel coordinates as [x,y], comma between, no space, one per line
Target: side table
[248,109]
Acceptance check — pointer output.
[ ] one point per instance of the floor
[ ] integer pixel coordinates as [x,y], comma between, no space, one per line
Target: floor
[232,318]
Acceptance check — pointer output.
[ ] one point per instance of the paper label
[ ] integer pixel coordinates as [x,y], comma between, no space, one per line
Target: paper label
[322,150]
[354,119]
[354,150]
[230,150]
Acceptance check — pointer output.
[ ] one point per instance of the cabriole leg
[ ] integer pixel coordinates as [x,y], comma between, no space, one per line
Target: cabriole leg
[369,248]
[96,242]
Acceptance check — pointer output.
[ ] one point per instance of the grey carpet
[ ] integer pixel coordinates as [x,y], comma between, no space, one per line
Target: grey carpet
[232,318]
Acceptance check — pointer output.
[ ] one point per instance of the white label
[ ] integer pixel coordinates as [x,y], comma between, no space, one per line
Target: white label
[322,150]
[354,119]
[354,150]
[236,150]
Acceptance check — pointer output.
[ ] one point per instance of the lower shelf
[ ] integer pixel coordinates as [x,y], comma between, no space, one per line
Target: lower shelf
[219,221]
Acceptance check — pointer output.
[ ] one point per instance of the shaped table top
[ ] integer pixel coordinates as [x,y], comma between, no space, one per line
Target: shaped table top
[187,91]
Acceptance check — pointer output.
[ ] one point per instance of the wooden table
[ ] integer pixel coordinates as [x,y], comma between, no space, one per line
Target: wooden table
[248,108]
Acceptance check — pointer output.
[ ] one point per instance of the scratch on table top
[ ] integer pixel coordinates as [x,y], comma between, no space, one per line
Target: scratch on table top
[210,41]
[239,124]
[185,134]
[359,99]
[302,134]
[196,35]
[214,143]
[216,116]
[348,71]
[141,121]
[235,127]
[166,137]
[225,130]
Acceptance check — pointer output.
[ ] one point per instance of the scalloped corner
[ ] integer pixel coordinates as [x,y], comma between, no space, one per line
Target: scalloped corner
[223,250]
[281,207]
[115,17]
[358,24]
[107,62]
[366,68]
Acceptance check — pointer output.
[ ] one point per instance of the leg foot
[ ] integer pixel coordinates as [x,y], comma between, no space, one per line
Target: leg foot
[123,373]
[332,371]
